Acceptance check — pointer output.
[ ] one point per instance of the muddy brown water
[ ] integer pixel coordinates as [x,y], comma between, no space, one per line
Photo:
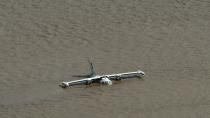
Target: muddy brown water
[45,42]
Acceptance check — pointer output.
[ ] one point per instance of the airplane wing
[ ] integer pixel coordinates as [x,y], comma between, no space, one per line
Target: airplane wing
[97,79]
[86,81]
[127,75]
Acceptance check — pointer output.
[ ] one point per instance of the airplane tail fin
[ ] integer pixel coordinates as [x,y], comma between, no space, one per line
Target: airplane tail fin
[92,71]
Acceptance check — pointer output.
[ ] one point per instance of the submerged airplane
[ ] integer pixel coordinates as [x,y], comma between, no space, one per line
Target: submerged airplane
[102,79]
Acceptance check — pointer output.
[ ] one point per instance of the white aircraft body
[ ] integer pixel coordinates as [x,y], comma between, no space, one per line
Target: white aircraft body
[102,79]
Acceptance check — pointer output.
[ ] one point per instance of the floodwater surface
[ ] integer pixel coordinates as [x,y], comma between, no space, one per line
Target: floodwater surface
[45,42]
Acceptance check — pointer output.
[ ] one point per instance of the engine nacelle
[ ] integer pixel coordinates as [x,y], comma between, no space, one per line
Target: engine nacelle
[106,80]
